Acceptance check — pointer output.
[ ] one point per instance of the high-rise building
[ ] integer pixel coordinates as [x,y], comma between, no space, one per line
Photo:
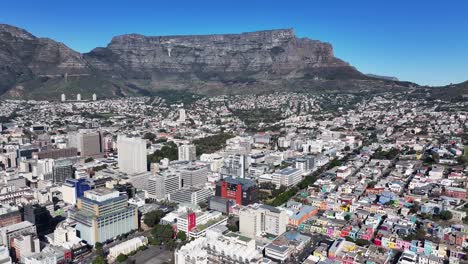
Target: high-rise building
[43,169]
[78,97]
[25,245]
[182,115]
[187,152]
[190,195]
[38,215]
[132,154]
[88,142]
[241,191]
[94,97]
[63,97]
[72,189]
[62,170]
[305,163]
[287,177]
[258,219]
[233,166]
[161,185]
[11,231]
[192,174]
[103,214]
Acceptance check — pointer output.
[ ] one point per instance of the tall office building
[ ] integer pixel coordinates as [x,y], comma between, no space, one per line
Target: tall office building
[63,97]
[233,166]
[192,174]
[287,177]
[132,154]
[182,115]
[88,142]
[73,189]
[187,152]
[161,185]
[94,97]
[258,219]
[78,97]
[62,170]
[103,214]
[38,215]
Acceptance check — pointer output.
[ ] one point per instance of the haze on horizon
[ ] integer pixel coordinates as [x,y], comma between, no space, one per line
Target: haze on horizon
[419,41]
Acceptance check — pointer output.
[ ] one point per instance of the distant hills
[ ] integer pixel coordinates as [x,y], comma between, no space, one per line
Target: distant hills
[254,62]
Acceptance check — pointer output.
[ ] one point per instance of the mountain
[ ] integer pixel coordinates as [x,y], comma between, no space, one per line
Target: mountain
[390,78]
[133,64]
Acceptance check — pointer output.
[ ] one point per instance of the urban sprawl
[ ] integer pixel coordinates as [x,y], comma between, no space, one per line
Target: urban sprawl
[279,178]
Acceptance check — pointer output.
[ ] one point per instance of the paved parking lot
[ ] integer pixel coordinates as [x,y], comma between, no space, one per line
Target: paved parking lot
[153,255]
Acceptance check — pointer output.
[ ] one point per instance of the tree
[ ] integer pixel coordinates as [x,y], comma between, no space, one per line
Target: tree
[99,260]
[371,184]
[88,159]
[212,143]
[169,151]
[415,208]
[203,204]
[233,227]
[121,258]
[98,248]
[446,215]
[334,163]
[181,235]
[347,148]
[362,242]
[150,136]
[152,218]
[347,217]
[163,233]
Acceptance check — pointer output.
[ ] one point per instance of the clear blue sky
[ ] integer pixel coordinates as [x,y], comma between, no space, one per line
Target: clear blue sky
[424,41]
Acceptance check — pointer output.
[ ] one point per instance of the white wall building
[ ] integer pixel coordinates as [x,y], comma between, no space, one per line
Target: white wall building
[287,177]
[218,248]
[126,247]
[256,220]
[187,153]
[131,154]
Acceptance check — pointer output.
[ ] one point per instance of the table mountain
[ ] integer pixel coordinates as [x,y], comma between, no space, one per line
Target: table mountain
[133,64]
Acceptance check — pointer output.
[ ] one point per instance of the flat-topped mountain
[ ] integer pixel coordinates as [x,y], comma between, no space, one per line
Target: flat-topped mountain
[257,55]
[133,64]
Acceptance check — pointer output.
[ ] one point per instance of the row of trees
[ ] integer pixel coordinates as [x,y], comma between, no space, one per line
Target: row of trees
[212,143]
[169,151]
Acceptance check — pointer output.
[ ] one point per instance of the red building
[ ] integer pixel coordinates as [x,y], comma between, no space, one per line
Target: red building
[456,192]
[10,218]
[242,191]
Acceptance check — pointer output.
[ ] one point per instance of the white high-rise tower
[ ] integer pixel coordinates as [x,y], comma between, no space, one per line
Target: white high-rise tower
[63,98]
[182,115]
[78,97]
[187,153]
[132,154]
[94,97]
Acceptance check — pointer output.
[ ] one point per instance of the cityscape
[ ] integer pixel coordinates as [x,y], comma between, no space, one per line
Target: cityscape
[260,147]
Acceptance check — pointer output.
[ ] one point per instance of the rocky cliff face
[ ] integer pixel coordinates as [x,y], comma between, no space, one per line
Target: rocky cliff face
[258,55]
[24,57]
[134,64]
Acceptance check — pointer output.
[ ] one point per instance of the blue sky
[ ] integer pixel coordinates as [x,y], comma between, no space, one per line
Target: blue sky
[421,41]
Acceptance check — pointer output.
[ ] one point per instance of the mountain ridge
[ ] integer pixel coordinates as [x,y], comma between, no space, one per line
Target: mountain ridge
[135,64]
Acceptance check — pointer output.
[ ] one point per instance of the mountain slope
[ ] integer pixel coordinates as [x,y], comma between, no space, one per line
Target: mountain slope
[254,62]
